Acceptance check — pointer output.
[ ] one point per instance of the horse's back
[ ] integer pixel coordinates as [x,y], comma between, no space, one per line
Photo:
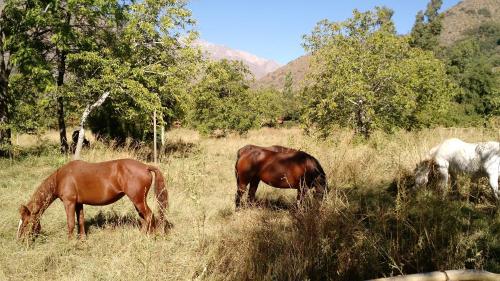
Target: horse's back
[452,148]
[274,148]
[465,157]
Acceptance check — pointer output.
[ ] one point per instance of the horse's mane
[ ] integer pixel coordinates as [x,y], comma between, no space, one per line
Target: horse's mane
[44,195]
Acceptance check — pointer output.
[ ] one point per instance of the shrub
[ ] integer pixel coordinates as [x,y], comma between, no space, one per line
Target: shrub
[358,235]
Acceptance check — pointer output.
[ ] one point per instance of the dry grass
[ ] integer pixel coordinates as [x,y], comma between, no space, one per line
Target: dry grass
[209,240]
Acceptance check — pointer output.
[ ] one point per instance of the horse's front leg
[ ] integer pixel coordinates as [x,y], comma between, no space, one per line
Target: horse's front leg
[69,206]
[301,193]
[241,186]
[493,179]
[454,185]
[443,179]
[80,219]
[474,186]
[254,184]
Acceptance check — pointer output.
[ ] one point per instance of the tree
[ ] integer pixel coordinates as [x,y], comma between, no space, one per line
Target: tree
[21,49]
[365,76]
[288,85]
[46,32]
[72,52]
[154,53]
[220,100]
[270,106]
[427,28]
[290,102]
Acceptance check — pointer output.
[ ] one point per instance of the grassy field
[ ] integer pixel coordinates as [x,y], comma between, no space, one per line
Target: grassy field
[362,230]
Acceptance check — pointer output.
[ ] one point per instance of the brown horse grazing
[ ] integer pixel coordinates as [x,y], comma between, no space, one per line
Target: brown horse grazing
[79,182]
[277,166]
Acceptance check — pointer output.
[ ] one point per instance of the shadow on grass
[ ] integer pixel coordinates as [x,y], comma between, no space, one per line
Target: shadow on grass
[179,148]
[361,233]
[176,149]
[277,204]
[113,220]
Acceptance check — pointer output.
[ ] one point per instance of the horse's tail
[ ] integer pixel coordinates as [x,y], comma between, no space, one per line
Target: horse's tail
[160,192]
[238,155]
[432,152]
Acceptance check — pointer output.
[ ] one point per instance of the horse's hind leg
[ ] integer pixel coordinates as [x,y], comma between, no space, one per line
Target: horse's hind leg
[147,218]
[81,220]
[138,196]
[454,185]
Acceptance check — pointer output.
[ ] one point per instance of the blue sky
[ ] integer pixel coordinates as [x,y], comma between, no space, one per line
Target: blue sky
[273,29]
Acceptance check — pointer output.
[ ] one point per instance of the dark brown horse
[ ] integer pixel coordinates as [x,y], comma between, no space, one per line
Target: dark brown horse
[78,183]
[277,166]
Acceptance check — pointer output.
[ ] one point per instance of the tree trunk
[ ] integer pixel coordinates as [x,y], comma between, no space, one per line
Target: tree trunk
[162,136]
[362,122]
[5,133]
[85,115]
[61,70]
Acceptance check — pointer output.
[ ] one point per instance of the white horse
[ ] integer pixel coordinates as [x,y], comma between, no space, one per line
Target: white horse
[453,157]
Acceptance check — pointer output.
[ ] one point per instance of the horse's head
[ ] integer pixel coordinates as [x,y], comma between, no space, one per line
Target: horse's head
[27,218]
[321,187]
[422,171]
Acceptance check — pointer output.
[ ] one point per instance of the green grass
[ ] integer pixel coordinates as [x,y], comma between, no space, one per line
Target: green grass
[360,231]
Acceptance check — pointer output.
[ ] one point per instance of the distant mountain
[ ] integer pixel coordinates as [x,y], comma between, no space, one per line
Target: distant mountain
[258,66]
[276,79]
[466,15]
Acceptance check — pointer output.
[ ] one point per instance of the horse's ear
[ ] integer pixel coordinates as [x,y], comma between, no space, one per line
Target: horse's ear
[24,211]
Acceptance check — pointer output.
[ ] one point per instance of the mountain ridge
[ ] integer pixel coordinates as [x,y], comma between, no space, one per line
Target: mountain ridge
[459,19]
[467,15]
[257,65]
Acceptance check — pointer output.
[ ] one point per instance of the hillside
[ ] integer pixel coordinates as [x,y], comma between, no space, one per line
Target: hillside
[467,15]
[258,66]
[276,79]
[462,17]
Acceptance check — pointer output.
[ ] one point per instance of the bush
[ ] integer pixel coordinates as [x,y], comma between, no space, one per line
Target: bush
[363,75]
[222,101]
[358,235]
